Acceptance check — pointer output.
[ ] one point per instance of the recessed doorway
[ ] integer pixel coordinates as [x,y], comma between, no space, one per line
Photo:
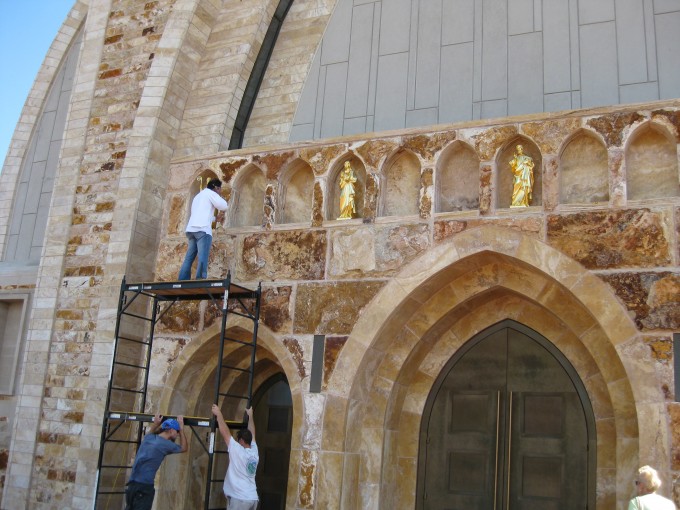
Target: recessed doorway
[508,425]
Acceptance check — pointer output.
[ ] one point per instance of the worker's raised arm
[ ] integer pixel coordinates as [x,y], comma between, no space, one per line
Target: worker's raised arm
[251,421]
[224,430]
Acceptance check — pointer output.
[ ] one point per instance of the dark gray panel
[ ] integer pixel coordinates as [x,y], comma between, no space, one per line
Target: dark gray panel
[317,364]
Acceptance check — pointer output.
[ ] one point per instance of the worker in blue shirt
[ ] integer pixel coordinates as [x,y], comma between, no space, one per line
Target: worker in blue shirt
[157,443]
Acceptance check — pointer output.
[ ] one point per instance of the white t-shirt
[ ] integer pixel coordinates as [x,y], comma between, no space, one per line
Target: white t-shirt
[651,502]
[202,211]
[239,482]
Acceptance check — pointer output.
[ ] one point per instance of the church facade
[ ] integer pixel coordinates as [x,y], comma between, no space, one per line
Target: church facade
[444,345]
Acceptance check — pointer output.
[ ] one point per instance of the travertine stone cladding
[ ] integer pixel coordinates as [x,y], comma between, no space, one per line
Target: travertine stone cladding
[374,152]
[273,163]
[176,214]
[488,141]
[674,411]
[231,167]
[612,239]
[671,118]
[317,206]
[320,158]
[677,232]
[653,298]
[275,310]
[445,229]
[550,134]
[221,261]
[376,251]
[485,188]
[132,36]
[332,307]
[297,255]
[428,146]
[371,198]
[614,126]
[297,353]
[332,349]
[185,318]
[426,193]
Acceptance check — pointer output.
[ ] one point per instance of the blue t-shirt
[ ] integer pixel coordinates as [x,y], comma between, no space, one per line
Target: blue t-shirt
[151,453]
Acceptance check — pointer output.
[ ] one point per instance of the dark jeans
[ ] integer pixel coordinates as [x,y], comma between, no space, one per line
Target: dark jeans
[139,496]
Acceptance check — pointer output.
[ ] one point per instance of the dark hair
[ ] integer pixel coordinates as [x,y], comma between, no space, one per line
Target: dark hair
[244,434]
[214,183]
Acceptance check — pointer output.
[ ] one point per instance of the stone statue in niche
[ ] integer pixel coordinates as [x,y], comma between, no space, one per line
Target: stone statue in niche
[522,167]
[347,192]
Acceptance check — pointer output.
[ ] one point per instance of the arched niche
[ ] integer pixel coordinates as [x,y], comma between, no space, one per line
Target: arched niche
[248,197]
[189,389]
[401,185]
[584,175]
[457,179]
[333,205]
[296,192]
[504,177]
[651,164]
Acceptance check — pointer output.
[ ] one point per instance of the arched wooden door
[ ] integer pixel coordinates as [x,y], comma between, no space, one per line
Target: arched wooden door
[508,426]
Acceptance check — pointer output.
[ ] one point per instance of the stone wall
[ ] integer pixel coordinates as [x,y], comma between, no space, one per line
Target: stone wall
[592,265]
[397,295]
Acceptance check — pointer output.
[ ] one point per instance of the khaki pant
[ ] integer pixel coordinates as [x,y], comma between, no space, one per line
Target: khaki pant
[241,504]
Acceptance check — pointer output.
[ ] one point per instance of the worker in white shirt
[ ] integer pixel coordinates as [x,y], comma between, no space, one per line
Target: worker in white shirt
[199,229]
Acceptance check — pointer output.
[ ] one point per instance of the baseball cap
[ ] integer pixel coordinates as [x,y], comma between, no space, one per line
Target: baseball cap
[170,423]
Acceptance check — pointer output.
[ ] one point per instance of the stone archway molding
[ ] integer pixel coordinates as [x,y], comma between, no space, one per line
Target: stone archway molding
[407,296]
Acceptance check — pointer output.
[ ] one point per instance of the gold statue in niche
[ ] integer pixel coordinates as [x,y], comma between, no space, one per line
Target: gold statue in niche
[522,167]
[347,192]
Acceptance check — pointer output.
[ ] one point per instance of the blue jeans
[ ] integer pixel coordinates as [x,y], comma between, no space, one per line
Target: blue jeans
[199,244]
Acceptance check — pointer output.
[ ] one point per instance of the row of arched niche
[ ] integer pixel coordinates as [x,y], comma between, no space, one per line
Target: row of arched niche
[651,171]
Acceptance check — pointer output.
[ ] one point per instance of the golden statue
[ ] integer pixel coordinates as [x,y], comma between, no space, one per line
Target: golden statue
[522,167]
[347,192]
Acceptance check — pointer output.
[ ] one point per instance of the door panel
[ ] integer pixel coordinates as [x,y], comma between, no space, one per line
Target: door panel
[507,430]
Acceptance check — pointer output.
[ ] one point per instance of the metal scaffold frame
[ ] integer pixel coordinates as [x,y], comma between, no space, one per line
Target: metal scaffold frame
[129,375]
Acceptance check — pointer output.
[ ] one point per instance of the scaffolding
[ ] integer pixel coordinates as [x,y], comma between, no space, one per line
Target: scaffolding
[141,307]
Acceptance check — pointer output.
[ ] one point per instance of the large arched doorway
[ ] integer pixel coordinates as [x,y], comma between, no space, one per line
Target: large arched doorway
[508,425]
